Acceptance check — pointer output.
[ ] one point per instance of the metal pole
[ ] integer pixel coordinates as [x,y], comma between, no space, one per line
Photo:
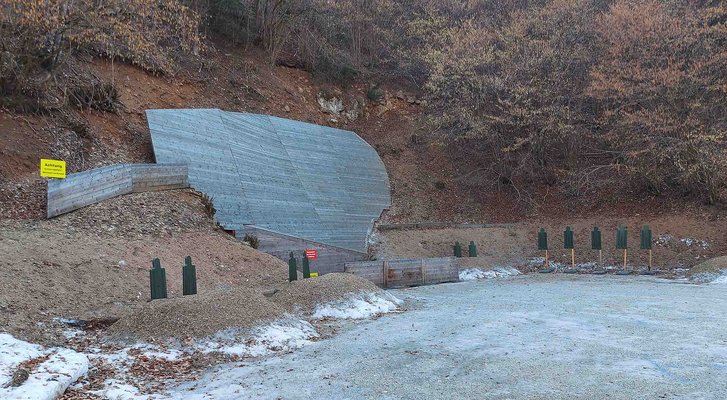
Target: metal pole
[625,259]
[600,257]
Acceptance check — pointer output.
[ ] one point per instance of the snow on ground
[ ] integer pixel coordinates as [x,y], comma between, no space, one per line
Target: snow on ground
[358,307]
[117,390]
[722,279]
[281,336]
[695,242]
[471,274]
[48,379]
[540,263]
[710,277]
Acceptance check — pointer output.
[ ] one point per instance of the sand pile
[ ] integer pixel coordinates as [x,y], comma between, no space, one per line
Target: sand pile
[197,316]
[304,295]
[708,270]
[205,314]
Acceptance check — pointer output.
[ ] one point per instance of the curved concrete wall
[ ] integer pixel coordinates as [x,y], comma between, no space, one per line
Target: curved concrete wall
[309,181]
[89,187]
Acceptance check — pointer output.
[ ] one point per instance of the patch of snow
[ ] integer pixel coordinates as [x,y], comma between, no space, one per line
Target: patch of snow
[48,379]
[472,274]
[689,242]
[540,262]
[663,239]
[281,335]
[358,307]
[710,277]
[73,333]
[721,280]
[117,390]
[12,353]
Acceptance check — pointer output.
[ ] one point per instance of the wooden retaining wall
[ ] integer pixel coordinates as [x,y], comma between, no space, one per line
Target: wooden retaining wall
[330,258]
[406,272]
[88,187]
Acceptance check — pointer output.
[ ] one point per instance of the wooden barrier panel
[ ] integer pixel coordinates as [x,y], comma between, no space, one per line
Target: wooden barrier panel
[89,187]
[330,258]
[406,272]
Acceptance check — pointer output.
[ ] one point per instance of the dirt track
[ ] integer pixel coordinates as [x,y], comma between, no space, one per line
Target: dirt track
[532,337]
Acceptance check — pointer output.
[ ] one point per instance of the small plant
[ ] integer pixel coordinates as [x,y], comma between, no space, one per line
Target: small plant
[252,240]
[348,73]
[375,93]
[439,185]
[209,206]
[101,96]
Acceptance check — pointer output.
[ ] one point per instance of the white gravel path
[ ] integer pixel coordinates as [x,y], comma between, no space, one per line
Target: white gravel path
[526,337]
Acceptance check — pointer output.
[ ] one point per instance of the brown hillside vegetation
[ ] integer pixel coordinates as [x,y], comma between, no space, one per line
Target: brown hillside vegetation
[483,111]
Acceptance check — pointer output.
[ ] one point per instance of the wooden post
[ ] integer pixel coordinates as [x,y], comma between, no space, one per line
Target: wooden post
[573,258]
[385,271]
[649,259]
[546,259]
[600,257]
[625,251]
[424,277]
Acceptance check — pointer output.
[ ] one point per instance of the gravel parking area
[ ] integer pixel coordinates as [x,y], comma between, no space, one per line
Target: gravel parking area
[527,337]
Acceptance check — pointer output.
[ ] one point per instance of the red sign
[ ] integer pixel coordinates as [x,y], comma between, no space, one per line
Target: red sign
[311,254]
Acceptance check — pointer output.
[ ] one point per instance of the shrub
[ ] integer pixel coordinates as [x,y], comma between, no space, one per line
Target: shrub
[252,240]
[101,96]
[37,38]
[375,93]
[208,204]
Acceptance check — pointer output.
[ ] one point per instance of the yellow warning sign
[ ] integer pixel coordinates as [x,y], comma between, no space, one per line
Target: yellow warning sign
[52,168]
[313,274]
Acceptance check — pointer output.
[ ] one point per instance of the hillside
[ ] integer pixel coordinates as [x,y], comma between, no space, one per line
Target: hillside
[433,179]
[548,119]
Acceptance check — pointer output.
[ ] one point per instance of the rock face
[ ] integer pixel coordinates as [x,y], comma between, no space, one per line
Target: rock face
[355,109]
[352,109]
[333,105]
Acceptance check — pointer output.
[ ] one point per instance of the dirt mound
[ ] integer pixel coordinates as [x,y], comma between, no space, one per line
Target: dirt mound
[708,270]
[94,263]
[204,315]
[304,295]
[197,316]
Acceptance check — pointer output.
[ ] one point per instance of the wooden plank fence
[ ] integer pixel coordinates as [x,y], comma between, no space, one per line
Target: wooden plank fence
[406,272]
[89,187]
[330,258]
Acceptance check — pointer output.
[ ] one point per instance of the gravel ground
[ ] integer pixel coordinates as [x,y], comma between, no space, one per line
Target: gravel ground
[529,337]
[197,316]
[241,308]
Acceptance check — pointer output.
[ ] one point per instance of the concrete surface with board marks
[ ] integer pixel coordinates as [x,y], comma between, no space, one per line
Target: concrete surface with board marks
[301,179]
